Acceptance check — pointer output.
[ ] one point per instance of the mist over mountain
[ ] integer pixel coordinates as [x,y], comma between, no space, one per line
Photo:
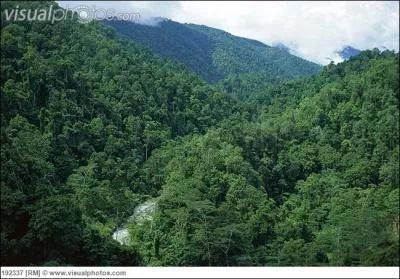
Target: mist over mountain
[348,51]
[150,21]
[283,47]
[169,144]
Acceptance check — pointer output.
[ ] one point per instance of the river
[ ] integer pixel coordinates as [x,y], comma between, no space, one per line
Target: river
[142,212]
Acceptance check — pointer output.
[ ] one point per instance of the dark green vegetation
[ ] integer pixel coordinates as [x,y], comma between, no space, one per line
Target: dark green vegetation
[300,173]
[81,111]
[215,54]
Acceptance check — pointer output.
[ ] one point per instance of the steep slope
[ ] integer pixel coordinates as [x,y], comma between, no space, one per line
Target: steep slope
[176,41]
[236,55]
[93,125]
[215,54]
[81,110]
[312,182]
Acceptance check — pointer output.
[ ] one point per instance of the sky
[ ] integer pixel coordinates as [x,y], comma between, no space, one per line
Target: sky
[313,30]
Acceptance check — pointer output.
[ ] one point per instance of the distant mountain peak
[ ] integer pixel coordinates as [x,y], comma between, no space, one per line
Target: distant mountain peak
[348,51]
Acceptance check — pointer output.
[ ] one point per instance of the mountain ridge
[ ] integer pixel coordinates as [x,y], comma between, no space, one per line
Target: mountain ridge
[212,53]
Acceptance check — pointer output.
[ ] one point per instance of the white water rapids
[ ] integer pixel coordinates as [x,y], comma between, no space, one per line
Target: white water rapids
[142,212]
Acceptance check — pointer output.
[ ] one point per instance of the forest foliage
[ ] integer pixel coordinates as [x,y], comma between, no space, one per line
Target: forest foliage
[213,54]
[247,172]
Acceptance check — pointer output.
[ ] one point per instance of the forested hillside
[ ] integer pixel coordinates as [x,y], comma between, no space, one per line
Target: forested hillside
[298,173]
[82,109]
[313,181]
[215,54]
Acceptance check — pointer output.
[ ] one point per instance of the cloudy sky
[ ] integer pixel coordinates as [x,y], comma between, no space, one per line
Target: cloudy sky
[314,30]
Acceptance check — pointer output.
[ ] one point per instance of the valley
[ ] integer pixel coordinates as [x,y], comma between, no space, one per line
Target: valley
[183,145]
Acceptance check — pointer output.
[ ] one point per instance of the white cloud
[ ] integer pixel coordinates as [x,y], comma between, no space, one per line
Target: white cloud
[314,30]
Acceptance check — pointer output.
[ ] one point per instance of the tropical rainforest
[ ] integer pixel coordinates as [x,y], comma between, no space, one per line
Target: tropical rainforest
[297,165]
[212,53]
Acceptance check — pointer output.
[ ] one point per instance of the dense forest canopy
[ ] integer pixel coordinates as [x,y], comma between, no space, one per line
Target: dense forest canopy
[245,172]
[213,54]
